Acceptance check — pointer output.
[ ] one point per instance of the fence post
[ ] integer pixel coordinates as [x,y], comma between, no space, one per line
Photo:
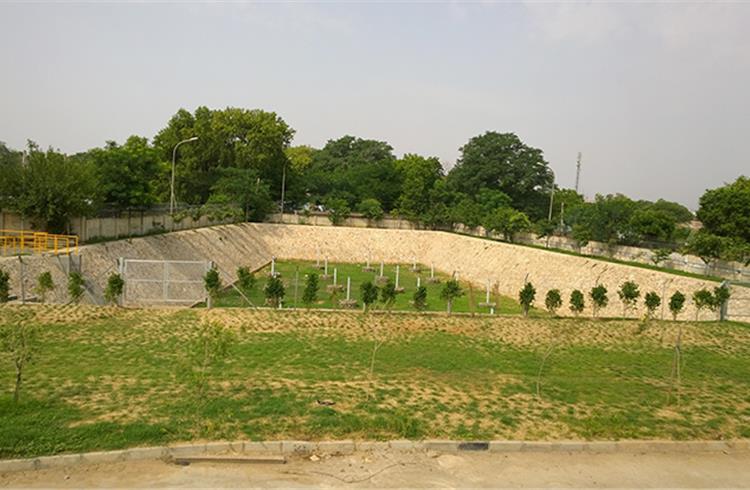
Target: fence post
[23,280]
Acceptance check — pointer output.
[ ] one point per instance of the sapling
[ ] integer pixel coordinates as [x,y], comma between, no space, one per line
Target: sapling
[652,301]
[18,340]
[4,286]
[526,297]
[629,294]
[553,301]
[703,299]
[245,280]
[274,291]
[451,290]
[721,296]
[388,294]
[577,302]
[115,287]
[420,298]
[598,295]
[676,304]
[310,294]
[44,284]
[75,286]
[212,284]
[369,294]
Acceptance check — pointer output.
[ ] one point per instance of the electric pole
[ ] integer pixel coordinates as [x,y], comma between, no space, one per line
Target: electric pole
[578,171]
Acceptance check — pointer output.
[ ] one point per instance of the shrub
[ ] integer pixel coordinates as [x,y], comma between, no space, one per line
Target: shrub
[598,295]
[44,284]
[4,286]
[553,300]
[212,283]
[577,302]
[451,290]
[274,291]
[310,294]
[676,304]
[115,286]
[526,297]
[703,299]
[628,294]
[338,210]
[75,286]
[369,293]
[371,209]
[721,296]
[388,294]
[245,280]
[420,298]
[652,301]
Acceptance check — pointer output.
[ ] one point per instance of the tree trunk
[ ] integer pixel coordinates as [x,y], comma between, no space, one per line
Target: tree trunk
[17,390]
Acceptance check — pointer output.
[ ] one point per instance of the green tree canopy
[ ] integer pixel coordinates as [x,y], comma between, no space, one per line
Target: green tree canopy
[419,176]
[725,211]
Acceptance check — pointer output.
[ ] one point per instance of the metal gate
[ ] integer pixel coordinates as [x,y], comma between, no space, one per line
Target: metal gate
[163,281]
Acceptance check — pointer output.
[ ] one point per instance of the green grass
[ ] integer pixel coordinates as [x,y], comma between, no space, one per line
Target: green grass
[296,272]
[106,378]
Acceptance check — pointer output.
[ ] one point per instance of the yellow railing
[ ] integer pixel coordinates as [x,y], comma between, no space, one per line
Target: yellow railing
[18,241]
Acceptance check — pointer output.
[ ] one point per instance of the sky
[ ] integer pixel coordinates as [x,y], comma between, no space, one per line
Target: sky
[656,96]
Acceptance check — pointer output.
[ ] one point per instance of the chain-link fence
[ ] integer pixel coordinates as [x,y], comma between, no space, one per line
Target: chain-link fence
[178,282]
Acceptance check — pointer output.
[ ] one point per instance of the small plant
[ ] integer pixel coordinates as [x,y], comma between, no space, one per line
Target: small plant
[577,302]
[628,294]
[44,285]
[115,287]
[553,301]
[369,294]
[212,283]
[274,291]
[388,294]
[4,286]
[420,298]
[451,290]
[75,286]
[526,297]
[652,301]
[721,296]
[310,294]
[245,280]
[598,295]
[703,299]
[207,351]
[19,341]
[676,304]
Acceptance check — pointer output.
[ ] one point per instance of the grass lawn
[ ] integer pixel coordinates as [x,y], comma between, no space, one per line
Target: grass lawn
[296,272]
[106,378]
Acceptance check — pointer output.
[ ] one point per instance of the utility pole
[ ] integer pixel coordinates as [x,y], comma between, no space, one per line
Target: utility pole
[578,171]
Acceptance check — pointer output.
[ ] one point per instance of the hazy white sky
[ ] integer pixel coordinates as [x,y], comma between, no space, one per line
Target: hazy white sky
[655,95]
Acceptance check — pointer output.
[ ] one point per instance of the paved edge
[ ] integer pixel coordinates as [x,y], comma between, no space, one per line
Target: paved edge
[348,447]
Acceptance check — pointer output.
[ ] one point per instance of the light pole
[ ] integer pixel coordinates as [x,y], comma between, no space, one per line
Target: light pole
[172,200]
[283,188]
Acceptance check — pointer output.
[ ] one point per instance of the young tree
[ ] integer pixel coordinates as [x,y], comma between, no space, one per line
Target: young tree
[76,284]
[676,304]
[44,285]
[274,291]
[507,221]
[660,255]
[115,287]
[369,294]
[553,301]
[212,283]
[628,294]
[598,295]
[420,298]
[703,299]
[652,301]
[721,296]
[388,294]
[4,286]
[245,280]
[207,351]
[310,294]
[19,342]
[577,302]
[451,290]
[526,297]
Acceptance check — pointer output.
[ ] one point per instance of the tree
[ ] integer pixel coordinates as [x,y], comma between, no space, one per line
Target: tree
[660,255]
[245,280]
[44,284]
[629,294]
[507,221]
[371,209]
[706,246]
[419,176]
[212,284]
[467,212]
[721,296]
[338,210]
[605,220]
[420,298]
[598,295]
[553,301]
[725,211]
[208,348]
[451,290]
[115,287]
[369,294]
[652,301]
[4,286]
[652,224]
[274,291]
[310,294]
[19,342]
[76,285]
[526,297]
[576,302]
[501,161]
[300,157]
[243,187]
[703,299]
[388,294]
[676,303]
[127,174]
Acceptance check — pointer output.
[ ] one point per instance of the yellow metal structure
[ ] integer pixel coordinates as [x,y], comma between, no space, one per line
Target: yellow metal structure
[13,242]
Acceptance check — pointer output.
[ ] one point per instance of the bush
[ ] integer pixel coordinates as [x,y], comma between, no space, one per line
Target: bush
[599,298]
[245,280]
[44,284]
[369,294]
[577,302]
[628,294]
[115,286]
[676,303]
[310,294]
[274,291]
[420,298]
[212,283]
[721,296]
[526,297]
[451,290]
[703,299]
[553,301]
[338,210]
[4,286]
[371,209]
[75,286]
[652,301]
[388,294]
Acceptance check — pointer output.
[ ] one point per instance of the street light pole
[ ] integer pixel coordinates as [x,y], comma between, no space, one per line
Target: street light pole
[172,200]
[283,188]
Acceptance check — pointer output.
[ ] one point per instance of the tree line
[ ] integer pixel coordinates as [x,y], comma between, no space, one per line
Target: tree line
[243,160]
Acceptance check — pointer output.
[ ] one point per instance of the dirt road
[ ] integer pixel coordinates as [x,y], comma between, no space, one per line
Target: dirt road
[416,470]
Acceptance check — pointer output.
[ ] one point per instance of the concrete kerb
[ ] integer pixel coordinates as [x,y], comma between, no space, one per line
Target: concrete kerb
[304,448]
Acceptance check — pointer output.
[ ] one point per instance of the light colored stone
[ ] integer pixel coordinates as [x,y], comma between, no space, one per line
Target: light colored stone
[297,447]
[262,447]
[505,446]
[404,445]
[442,446]
[336,447]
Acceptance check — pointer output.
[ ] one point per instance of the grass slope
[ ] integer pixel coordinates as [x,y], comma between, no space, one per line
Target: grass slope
[107,378]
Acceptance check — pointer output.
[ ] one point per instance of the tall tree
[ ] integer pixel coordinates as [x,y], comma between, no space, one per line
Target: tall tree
[419,176]
[725,211]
